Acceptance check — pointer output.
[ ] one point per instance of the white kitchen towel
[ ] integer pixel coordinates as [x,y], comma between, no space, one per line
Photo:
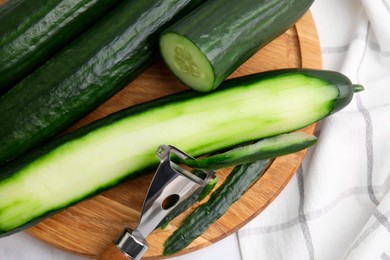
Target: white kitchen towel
[337,206]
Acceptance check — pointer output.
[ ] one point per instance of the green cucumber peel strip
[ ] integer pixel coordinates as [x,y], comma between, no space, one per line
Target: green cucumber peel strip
[236,184]
[264,149]
[208,188]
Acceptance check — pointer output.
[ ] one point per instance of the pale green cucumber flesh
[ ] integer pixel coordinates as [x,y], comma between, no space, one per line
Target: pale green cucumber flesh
[187,61]
[198,125]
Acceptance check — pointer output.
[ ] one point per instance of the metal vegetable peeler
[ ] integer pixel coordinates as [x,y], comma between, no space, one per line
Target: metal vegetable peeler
[171,185]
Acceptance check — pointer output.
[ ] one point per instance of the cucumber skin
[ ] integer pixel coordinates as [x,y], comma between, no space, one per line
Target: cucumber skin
[238,181]
[29,34]
[12,169]
[86,73]
[229,44]
[253,152]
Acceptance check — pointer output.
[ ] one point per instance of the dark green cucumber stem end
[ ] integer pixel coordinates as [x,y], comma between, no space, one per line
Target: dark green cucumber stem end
[357,88]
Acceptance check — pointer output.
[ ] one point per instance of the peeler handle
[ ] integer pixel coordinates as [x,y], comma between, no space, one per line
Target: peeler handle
[129,245]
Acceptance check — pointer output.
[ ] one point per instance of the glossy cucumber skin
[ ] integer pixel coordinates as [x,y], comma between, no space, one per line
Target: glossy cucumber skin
[264,149]
[155,112]
[85,73]
[32,31]
[228,33]
[238,181]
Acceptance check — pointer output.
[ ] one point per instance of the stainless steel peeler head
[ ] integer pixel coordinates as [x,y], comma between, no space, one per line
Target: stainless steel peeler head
[171,185]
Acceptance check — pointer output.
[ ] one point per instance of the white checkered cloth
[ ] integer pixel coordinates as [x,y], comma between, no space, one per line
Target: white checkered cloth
[337,206]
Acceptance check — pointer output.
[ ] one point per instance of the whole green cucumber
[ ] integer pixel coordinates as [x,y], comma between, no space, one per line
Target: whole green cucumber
[31,31]
[206,46]
[98,156]
[85,73]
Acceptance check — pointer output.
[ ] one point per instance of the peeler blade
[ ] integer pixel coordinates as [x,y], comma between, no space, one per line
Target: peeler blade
[171,185]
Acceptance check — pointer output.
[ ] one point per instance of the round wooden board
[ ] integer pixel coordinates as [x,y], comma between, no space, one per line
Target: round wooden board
[89,227]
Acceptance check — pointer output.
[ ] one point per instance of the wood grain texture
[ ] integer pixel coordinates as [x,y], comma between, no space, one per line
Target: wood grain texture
[112,253]
[90,227]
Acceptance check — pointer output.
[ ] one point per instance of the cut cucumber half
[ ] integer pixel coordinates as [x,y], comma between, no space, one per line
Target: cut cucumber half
[203,48]
[187,61]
